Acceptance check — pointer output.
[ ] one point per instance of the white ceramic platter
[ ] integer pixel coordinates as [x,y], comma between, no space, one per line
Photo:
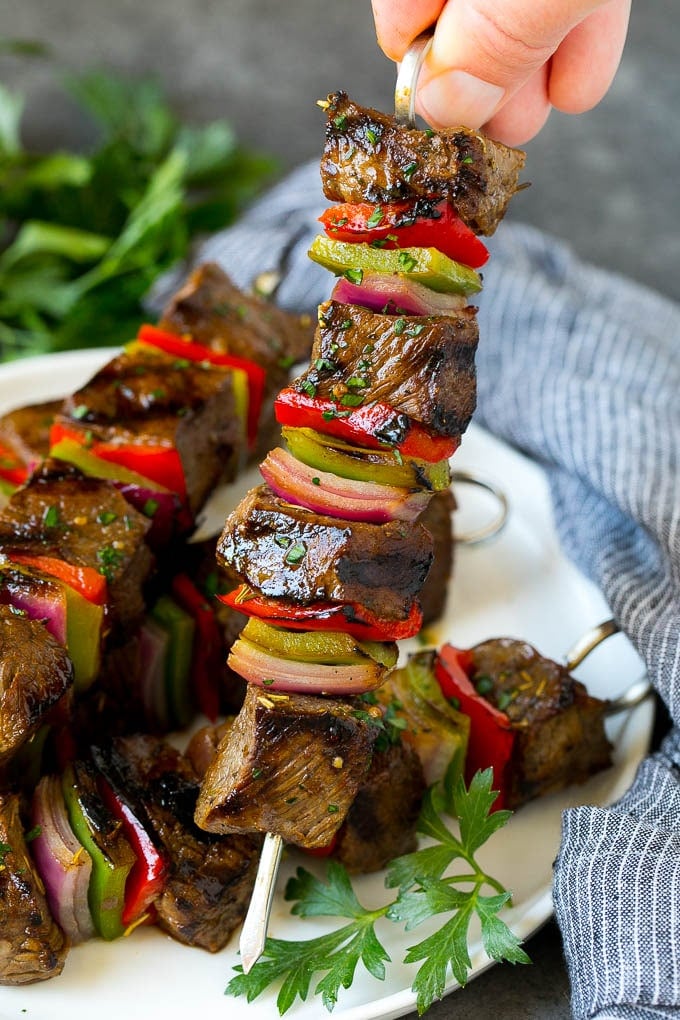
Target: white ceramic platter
[517,585]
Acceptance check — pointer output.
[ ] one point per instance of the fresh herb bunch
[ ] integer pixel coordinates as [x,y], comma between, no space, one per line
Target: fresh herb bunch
[424,890]
[83,236]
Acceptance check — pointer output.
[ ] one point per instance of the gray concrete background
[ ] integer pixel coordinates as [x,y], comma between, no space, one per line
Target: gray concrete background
[607,182]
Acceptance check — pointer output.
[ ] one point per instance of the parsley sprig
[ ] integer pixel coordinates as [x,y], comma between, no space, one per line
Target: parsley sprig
[424,889]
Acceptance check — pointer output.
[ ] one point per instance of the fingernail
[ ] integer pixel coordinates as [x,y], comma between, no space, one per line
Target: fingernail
[456,97]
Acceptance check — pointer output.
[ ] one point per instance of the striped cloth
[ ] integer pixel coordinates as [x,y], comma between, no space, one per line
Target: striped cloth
[579,369]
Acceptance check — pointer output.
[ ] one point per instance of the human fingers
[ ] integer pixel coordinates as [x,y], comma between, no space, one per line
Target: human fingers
[524,114]
[484,51]
[398,22]
[586,61]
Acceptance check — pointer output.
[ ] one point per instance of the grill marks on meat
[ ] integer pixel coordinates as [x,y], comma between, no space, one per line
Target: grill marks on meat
[32,946]
[290,764]
[421,366]
[35,675]
[220,316]
[59,513]
[560,737]
[368,157]
[146,398]
[285,551]
[381,823]
[210,877]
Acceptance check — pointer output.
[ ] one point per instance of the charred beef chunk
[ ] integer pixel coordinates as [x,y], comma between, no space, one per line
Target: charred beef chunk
[84,522]
[35,675]
[437,520]
[286,551]
[212,310]
[26,431]
[148,398]
[210,877]
[368,157]
[559,727]
[381,823]
[290,764]
[421,366]
[32,946]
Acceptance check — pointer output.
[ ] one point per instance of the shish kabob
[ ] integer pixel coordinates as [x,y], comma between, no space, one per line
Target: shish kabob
[75,569]
[329,551]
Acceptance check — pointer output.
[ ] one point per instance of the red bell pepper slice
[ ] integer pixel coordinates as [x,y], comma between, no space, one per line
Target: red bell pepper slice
[323,851]
[172,343]
[208,653]
[492,736]
[404,225]
[147,876]
[349,617]
[160,464]
[87,581]
[12,470]
[370,425]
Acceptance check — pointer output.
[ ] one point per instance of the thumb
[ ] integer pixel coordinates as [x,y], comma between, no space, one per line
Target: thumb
[484,51]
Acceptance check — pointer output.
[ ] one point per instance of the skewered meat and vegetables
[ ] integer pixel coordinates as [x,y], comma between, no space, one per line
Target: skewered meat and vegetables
[537,726]
[289,761]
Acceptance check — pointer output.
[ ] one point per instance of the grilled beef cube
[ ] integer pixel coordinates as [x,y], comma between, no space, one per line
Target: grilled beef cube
[85,522]
[381,823]
[32,946]
[437,520]
[26,431]
[290,764]
[210,878]
[422,366]
[215,313]
[559,727]
[286,551]
[212,310]
[368,157]
[148,398]
[36,675]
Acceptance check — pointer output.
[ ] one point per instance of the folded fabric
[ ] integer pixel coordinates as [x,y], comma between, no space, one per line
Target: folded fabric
[580,369]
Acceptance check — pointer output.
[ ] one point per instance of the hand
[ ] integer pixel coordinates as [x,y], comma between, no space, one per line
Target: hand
[503,64]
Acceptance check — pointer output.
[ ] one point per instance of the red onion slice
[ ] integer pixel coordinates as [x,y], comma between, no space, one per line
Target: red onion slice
[395,295]
[62,862]
[328,493]
[275,674]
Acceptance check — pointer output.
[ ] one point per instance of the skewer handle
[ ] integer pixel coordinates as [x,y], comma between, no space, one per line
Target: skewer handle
[407,80]
[254,931]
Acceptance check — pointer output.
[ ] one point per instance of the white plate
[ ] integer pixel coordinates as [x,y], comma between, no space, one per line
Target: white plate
[518,585]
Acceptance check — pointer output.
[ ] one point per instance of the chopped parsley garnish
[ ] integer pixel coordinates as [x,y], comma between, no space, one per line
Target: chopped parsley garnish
[409,170]
[483,685]
[340,121]
[308,387]
[51,517]
[376,217]
[406,261]
[81,411]
[106,517]
[354,276]
[399,326]
[351,400]
[109,559]
[296,553]
[150,507]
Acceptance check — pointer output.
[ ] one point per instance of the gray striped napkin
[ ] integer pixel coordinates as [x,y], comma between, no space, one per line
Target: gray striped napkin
[579,369]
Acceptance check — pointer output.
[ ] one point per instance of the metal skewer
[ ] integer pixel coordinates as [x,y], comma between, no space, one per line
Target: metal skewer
[407,80]
[254,930]
[638,691]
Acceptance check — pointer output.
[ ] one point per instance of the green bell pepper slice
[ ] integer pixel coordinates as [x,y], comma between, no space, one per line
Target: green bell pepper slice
[180,628]
[424,265]
[112,856]
[328,453]
[327,647]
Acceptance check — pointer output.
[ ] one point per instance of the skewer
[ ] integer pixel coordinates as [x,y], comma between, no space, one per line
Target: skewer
[254,930]
[634,695]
